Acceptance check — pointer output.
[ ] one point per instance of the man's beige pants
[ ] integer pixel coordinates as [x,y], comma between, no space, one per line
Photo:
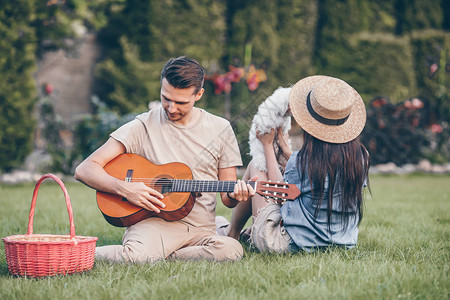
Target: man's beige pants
[155,239]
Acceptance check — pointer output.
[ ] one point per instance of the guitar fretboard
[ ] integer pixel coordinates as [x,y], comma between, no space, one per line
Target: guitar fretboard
[180,185]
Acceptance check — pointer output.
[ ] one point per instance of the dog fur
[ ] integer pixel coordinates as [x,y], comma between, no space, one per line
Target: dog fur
[271,115]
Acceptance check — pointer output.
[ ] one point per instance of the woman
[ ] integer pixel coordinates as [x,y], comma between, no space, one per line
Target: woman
[273,113]
[331,170]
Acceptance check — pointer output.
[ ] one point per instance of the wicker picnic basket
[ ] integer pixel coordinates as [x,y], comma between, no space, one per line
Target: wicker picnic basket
[41,255]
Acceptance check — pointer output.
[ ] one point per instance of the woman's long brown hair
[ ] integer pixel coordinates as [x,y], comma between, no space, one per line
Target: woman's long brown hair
[345,165]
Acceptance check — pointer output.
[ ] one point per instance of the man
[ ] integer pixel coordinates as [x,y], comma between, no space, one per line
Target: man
[176,132]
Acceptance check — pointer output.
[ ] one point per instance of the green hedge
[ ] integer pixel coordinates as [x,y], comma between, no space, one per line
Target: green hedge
[141,36]
[383,48]
[17,87]
[430,48]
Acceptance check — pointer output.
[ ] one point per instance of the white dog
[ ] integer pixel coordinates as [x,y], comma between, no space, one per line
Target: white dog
[272,114]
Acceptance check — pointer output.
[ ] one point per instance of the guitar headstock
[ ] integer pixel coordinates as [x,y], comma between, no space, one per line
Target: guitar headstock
[280,192]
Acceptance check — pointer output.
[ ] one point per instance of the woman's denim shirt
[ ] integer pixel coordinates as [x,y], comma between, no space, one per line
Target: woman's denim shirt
[306,230]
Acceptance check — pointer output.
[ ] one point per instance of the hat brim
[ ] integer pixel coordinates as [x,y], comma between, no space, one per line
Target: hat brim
[343,133]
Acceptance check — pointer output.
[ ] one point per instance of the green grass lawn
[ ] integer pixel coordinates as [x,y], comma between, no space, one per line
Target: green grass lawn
[403,253]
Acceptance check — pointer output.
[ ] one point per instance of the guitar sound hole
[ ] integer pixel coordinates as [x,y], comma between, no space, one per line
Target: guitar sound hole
[163,185]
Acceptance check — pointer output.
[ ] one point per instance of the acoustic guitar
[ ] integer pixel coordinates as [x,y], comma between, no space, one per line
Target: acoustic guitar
[175,182]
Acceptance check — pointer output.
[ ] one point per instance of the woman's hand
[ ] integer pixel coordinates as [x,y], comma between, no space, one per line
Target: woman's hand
[266,138]
[282,141]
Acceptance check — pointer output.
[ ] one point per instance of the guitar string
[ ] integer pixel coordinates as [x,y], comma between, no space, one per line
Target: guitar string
[180,185]
[197,183]
[185,181]
[188,185]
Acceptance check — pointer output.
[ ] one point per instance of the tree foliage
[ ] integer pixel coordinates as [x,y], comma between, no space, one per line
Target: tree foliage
[128,88]
[142,35]
[17,87]
[281,34]
[373,44]
[396,49]
[28,29]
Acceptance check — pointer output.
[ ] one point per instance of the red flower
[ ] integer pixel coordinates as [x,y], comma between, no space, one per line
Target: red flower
[48,89]
[436,128]
[432,70]
[222,84]
[408,104]
[252,82]
[254,77]
[378,102]
[235,74]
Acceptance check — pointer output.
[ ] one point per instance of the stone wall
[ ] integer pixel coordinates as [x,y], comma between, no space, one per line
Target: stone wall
[70,74]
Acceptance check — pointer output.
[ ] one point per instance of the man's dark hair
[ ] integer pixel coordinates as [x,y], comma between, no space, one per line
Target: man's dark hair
[183,72]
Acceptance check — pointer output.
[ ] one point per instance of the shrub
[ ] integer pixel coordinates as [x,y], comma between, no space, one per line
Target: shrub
[17,88]
[404,133]
[94,130]
[62,157]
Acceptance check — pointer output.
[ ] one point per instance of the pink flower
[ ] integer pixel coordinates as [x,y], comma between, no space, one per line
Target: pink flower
[222,84]
[254,77]
[433,69]
[252,82]
[436,128]
[408,104]
[48,89]
[235,74]
[416,103]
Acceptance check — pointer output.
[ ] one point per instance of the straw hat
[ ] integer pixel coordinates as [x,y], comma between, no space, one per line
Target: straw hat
[328,108]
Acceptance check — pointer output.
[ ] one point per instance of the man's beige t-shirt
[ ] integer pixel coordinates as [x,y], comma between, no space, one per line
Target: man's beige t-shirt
[205,145]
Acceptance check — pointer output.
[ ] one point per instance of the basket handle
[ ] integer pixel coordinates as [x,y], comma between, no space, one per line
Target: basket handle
[33,204]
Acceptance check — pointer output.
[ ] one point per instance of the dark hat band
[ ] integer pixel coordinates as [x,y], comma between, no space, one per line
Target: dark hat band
[321,119]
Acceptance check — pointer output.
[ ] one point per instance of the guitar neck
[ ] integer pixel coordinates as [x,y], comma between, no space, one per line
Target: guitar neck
[181,185]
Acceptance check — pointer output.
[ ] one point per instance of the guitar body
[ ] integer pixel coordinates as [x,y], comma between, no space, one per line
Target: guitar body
[119,212]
